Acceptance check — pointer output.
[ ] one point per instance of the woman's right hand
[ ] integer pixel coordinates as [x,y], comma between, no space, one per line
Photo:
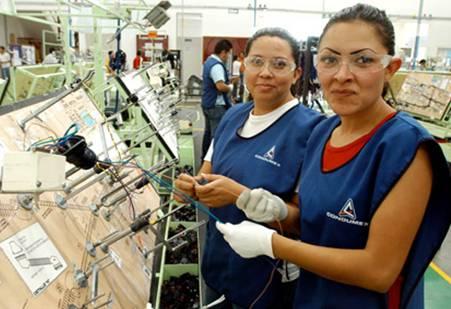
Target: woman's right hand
[185,186]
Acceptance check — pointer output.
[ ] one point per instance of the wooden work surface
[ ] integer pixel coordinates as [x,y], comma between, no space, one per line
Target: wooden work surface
[127,280]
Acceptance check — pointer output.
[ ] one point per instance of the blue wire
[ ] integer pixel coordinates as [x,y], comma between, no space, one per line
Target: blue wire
[192,201]
[68,134]
[60,140]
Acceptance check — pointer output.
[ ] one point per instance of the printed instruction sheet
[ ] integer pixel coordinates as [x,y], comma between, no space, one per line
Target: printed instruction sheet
[34,257]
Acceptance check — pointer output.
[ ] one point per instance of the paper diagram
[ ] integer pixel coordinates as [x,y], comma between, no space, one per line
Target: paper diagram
[34,257]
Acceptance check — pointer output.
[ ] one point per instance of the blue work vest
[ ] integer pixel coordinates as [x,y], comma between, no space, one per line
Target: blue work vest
[271,160]
[337,208]
[209,91]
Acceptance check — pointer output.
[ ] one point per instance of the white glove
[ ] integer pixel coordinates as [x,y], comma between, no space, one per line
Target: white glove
[262,206]
[248,239]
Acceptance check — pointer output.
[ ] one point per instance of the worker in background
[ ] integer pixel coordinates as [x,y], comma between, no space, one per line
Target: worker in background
[169,58]
[138,60]
[236,65]
[109,60]
[374,192]
[241,83]
[119,61]
[259,144]
[5,62]
[50,58]
[422,65]
[215,90]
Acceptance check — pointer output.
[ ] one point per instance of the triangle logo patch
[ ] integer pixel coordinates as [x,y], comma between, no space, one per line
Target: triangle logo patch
[348,211]
[270,154]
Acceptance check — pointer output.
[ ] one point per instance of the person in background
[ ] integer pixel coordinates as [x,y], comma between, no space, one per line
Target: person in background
[241,83]
[422,65]
[120,61]
[50,58]
[168,57]
[109,60]
[5,62]
[138,61]
[215,90]
[255,145]
[374,194]
[236,65]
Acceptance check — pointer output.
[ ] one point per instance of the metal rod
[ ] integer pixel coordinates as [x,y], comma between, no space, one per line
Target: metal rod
[169,213]
[109,301]
[107,264]
[417,36]
[95,281]
[105,239]
[52,102]
[119,187]
[103,140]
[166,242]
[145,68]
[113,116]
[104,245]
[43,108]
[119,198]
[86,176]
[87,185]
[143,140]
[160,167]
[79,180]
[92,300]
[103,258]
[72,171]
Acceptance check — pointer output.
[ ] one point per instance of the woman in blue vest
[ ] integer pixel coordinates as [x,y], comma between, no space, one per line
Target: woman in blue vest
[257,144]
[374,194]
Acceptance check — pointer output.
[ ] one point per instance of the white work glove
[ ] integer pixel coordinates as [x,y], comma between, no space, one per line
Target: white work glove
[262,206]
[248,239]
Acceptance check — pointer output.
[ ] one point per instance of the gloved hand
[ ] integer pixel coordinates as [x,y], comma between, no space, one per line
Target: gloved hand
[262,206]
[248,239]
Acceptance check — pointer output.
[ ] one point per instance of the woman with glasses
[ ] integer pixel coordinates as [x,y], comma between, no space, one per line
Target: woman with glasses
[257,144]
[374,193]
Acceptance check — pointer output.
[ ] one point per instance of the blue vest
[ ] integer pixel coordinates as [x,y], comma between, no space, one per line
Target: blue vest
[209,91]
[337,207]
[271,160]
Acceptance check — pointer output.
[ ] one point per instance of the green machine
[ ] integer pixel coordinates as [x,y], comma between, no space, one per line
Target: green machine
[34,80]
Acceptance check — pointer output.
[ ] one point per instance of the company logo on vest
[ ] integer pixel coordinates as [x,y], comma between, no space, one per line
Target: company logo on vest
[347,214]
[269,156]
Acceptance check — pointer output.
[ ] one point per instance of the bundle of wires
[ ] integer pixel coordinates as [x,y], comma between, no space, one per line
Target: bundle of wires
[52,144]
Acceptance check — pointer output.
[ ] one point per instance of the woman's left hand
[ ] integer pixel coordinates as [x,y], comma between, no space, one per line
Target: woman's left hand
[248,239]
[218,190]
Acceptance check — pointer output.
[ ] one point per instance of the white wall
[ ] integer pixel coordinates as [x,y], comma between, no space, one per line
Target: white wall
[439,36]
[219,22]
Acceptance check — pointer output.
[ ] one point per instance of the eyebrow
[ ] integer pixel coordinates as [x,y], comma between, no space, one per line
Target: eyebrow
[352,53]
[276,57]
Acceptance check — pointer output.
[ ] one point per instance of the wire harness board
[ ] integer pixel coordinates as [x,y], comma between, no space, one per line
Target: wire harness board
[44,236]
